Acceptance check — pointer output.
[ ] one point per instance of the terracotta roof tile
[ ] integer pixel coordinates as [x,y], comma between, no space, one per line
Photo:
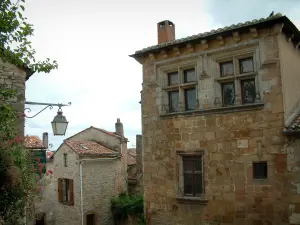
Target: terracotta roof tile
[210,33]
[131,156]
[33,142]
[295,125]
[90,148]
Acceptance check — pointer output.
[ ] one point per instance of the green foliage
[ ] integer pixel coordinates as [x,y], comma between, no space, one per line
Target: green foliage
[15,33]
[127,205]
[18,181]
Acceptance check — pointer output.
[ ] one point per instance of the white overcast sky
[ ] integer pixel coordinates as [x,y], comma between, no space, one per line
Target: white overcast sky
[91,40]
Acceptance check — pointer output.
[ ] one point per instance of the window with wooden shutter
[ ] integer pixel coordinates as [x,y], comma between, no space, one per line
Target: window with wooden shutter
[71,186]
[60,190]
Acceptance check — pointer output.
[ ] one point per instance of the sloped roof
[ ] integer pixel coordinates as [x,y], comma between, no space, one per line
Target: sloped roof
[33,142]
[90,148]
[102,130]
[262,22]
[295,125]
[131,156]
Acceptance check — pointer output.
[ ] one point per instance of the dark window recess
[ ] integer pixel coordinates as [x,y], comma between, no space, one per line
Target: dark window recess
[193,175]
[190,99]
[246,65]
[173,101]
[65,191]
[189,76]
[248,91]
[228,94]
[260,170]
[65,160]
[173,78]
[90,219]
[227,69]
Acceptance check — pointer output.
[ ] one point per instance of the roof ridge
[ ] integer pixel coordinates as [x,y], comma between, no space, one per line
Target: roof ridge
[211,32]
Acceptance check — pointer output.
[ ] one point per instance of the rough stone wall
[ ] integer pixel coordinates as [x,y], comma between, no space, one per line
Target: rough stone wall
[293,166]
[14,78]
[234,197]
[100,185]
[289,56]
[139,163]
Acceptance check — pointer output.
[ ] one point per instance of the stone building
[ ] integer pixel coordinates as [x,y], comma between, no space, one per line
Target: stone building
[89,169]
[15,78]
[214,108]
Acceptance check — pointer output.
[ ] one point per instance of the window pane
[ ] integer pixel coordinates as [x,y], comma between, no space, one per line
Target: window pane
[188,165]
[189,76]
[188,184]
[190,99]
[198,164]
[173,78]
[248,91]
[226,69]
[173,101]
[228,94]
[198,184]
[246,65]
[67,189]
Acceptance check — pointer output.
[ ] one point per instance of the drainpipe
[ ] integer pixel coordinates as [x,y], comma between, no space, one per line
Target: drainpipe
[81,182]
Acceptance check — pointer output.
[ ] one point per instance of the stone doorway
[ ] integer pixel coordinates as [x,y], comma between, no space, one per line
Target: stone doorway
[90,219]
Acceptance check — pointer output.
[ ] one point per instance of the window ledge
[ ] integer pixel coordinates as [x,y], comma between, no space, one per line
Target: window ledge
[192,200]
[229,109]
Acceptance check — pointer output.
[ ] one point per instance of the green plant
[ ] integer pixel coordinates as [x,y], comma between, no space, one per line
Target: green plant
[127,205]
[15,33]
[18,178]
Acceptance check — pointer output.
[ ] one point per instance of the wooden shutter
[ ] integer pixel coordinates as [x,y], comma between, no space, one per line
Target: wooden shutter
[60,190]
[71,186]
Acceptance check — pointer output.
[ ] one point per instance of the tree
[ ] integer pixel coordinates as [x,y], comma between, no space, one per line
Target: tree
[15,32]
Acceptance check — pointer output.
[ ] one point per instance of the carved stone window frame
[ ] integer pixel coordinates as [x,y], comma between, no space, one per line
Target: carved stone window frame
[162,80]
[237,77]
[180,179]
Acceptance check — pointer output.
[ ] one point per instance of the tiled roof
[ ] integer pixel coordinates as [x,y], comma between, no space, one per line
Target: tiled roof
[131,156]
[295,125]
[211,33]
[33,142]
[90,148]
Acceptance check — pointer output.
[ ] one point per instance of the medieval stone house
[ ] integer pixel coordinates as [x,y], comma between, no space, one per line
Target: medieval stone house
[214,108]
[89,169]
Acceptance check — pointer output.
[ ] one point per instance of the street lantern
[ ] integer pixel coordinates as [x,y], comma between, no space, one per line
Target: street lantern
[59,124]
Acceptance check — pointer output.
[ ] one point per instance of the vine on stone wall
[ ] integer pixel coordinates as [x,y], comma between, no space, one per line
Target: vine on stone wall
[18,178]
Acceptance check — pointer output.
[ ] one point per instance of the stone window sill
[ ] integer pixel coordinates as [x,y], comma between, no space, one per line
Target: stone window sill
[192,200]
[228,109]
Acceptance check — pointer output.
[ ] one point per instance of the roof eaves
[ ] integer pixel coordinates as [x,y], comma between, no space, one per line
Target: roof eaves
[212,33]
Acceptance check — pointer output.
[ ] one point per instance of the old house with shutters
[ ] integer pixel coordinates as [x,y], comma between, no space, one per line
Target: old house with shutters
[214,110]
[89,169]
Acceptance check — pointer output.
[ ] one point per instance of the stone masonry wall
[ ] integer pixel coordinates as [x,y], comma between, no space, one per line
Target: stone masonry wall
[14,78]
[233,196]
[100,180]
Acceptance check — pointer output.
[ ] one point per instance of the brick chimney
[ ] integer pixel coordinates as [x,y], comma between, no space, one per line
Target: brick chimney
[45,139]
[165,31]
[119,128]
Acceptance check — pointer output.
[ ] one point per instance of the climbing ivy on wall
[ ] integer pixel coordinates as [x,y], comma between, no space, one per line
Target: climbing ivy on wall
[125,205]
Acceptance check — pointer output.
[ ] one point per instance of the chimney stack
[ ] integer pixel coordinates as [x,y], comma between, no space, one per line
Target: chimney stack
[165,31]
[119,128]
[45,139]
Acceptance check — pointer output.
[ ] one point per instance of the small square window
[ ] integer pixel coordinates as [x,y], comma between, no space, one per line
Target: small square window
[173,78]
[190,99]
[260,170]
[228,94]
[193,175]
[189,75]
[248,91]
[246,65]
[226,69]
[173,101]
